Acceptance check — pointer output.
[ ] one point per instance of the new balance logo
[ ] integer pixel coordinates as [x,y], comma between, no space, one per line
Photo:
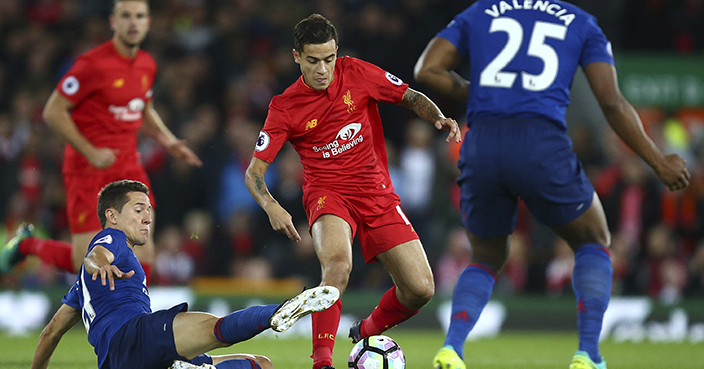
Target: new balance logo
[311,124]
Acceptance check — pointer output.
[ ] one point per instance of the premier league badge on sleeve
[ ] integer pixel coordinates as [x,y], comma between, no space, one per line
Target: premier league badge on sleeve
[262,141]
[70,85]
[393,79]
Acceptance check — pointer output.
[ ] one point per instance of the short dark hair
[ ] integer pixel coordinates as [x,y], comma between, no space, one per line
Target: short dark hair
[313,30]
[114,196]
[115,2]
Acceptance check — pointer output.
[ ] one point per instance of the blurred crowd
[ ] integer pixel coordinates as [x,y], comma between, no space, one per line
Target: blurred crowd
[221,61]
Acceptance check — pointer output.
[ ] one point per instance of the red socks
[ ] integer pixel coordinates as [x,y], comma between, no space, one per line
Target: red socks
[56,253]
[325,324]
[386,315]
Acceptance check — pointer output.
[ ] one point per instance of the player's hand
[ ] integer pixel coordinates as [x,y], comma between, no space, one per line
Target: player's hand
[102,157]
[281,221]
[673,172]
[109,273]
[449,125]
[180,151]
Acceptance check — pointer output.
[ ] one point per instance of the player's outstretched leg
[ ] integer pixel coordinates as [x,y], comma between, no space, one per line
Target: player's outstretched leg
[581,360]
[447,358]
[10,255]
[309,301]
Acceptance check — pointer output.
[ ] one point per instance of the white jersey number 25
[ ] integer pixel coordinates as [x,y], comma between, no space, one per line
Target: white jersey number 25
[493,76]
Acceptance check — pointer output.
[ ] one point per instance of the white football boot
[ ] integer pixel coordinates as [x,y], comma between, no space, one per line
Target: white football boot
[309,301]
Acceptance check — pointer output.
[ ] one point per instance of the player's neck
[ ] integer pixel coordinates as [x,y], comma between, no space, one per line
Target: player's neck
[125,50]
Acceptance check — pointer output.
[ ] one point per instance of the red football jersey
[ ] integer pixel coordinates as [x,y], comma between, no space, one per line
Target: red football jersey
[337,132]
[110,93]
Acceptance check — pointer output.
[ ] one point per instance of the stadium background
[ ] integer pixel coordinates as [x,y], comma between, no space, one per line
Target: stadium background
[221,61]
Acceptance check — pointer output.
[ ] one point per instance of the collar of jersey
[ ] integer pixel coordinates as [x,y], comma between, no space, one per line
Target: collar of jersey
[126,59]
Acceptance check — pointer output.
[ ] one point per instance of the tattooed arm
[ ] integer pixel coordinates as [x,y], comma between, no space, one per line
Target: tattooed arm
[281,221]
[426,109]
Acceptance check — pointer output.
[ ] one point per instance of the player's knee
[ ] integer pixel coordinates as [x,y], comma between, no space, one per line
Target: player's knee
[605,238]
[420,293]
[427,292]
[599,235]
[495,257]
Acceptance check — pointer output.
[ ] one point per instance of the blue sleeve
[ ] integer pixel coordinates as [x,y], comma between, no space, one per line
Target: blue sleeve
[71,297]
[113,240]
[457,32]
[597,47]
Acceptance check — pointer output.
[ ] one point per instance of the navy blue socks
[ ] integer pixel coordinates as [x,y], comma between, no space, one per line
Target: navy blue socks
[591,280]
[471,294]
[244,324]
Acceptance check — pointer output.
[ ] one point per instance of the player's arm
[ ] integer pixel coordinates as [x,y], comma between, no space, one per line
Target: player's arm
[426,109]
[279,218]
[57,114]
[435,68]
[624,120]
[65,318]
[98,262]
[155,128]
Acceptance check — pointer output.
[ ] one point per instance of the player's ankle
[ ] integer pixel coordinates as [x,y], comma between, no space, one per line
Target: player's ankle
[322,356]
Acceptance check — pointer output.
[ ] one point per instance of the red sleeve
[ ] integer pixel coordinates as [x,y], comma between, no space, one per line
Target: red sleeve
[274,134]
[80,81]
[152,77]
[381,85]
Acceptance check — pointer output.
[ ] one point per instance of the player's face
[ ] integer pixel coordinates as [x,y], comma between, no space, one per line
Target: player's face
[317,63]
[130,21]
[135,218]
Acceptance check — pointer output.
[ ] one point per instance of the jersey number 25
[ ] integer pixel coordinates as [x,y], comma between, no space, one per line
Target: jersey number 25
[493,76]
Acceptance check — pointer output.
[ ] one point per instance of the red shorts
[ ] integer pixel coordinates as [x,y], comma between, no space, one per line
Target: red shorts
[82,194]
[381,223]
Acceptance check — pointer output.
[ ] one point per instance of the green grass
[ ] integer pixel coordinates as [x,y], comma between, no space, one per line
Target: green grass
[509,350]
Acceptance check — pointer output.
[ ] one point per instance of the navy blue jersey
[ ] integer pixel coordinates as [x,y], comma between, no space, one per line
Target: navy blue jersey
[104,311]
[523,55]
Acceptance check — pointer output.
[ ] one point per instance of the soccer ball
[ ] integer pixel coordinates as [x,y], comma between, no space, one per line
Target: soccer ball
[377,352]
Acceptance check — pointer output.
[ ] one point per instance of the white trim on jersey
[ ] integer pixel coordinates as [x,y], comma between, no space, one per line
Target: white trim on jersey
[88,313]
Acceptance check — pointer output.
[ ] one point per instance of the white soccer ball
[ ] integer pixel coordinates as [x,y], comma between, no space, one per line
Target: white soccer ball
[377,352]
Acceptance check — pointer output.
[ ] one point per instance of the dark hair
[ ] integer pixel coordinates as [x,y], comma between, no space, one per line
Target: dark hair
[114,3]
[313,30]
[114,196]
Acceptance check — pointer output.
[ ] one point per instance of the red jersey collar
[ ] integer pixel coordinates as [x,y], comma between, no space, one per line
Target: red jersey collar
[117,52]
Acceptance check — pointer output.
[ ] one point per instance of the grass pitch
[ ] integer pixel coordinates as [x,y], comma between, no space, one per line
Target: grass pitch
[509,350]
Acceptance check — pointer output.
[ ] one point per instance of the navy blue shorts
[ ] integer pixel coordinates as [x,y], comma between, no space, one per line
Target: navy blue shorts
[502,160]
[147,342]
